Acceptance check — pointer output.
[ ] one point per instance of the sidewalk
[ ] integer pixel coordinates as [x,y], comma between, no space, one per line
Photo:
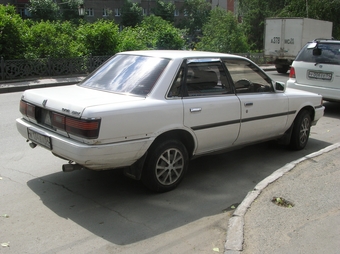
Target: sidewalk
[311,225]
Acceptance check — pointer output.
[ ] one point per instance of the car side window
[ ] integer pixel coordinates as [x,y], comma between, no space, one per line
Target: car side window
[206,78]
[247,77]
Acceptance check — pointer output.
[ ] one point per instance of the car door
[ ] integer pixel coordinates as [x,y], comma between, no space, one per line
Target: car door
[211,108]
[264,112]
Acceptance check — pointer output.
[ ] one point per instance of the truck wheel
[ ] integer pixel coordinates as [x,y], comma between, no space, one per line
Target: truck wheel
[165,166]
[282,68]
[301,130]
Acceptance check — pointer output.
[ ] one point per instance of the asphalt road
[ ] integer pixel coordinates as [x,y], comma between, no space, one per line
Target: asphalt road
[43,210]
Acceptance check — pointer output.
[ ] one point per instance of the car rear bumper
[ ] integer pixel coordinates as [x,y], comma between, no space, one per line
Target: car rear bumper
[96,157]
[331,94]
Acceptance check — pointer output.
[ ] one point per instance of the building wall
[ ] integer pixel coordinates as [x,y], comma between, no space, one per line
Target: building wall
[110,9]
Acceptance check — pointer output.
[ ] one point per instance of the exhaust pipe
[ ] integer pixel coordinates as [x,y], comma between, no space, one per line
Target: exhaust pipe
[71,167]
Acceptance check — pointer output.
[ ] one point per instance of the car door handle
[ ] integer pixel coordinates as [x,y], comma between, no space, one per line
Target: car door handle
[248,104]
[193,110]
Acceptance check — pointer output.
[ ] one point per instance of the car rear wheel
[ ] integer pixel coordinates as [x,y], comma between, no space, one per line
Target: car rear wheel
[165,166]
[301,130]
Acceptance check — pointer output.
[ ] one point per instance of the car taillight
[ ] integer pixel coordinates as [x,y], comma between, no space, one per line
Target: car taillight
[83,128]
[27,109]
[86,128]
[292,72]
[58,121]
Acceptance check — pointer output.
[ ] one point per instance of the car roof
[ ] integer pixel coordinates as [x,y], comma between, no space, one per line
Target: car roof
[326,41]
[178,54]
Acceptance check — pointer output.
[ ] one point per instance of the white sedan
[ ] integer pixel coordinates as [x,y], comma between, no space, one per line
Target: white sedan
[150,112]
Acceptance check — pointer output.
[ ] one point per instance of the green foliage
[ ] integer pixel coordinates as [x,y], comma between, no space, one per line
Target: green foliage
[12,32]
[315,9]
[132,14]
[69,9]
[152,33]
[99,38]
[132,39]
[222,33]
[44,10]
[51,39]
[196,14]
[165,10]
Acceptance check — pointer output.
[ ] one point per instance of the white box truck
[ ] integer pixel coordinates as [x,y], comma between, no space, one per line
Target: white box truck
[284,37]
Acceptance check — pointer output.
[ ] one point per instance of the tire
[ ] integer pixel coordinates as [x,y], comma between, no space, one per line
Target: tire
[282,69]
[301,130]
[165,166]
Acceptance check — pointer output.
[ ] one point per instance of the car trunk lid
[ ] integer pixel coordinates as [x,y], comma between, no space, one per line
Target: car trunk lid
[72,100]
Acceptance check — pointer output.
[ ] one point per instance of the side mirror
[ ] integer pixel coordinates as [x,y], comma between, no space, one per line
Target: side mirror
[279,86]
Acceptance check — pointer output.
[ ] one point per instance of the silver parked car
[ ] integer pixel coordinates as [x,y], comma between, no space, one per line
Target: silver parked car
[150,112]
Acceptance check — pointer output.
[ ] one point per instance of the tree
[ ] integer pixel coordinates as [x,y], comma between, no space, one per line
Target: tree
[223,33]
[253,14]
[196,14]
[132,14]
[12,31]
[165,10]
[69,9]
[315,9]
[99,38]
[44,10]
[152,33]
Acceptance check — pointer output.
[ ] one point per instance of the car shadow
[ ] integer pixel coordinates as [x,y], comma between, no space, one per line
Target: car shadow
[123,211]
[332,109]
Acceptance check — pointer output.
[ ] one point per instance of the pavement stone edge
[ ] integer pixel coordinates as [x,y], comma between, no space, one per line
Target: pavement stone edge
[235,233]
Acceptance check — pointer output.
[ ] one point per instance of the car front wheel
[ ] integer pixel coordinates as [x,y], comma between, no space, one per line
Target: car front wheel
[301,130]
[165,166]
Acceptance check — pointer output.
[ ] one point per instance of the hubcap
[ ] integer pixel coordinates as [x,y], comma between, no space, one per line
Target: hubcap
[304,130]
[169,166]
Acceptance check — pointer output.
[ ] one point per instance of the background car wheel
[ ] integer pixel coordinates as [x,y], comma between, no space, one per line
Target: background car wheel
[301,130]
[165,166]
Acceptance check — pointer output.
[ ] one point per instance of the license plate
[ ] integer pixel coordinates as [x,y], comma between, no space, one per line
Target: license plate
[40,139]
[320,75]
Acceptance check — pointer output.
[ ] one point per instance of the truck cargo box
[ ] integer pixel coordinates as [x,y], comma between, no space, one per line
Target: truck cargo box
[284,37]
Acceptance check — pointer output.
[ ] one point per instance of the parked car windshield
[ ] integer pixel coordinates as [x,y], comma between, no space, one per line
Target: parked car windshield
[329,53]
[127,74]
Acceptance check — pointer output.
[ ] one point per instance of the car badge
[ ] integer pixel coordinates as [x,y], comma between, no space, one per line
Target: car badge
[44,103]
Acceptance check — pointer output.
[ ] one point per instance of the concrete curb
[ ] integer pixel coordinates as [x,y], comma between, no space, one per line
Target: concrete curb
[235,233]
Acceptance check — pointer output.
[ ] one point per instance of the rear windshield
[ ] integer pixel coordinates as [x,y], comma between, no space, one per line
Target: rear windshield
[330,53]
[127,74]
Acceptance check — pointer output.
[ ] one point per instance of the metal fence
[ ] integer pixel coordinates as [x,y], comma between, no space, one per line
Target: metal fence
[43,67]
[46,67]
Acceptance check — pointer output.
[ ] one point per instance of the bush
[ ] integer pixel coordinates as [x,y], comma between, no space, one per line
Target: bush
[12,30]
[152,33]
[51,39]
[99,38]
